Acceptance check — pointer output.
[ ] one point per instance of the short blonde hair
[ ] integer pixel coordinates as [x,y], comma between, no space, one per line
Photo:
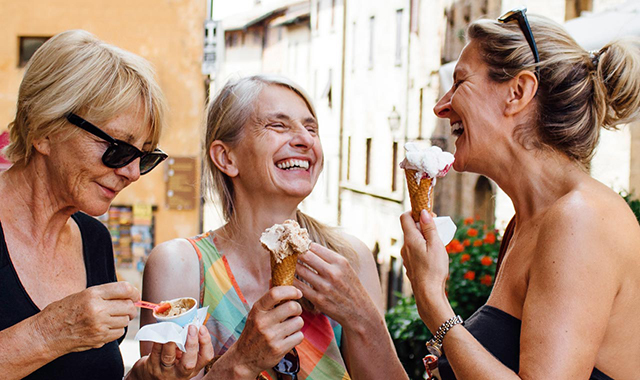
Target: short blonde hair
[76,72]
[578,92]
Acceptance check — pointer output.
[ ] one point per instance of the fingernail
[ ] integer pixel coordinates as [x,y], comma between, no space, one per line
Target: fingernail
[203,332]
[192,330]
[424,216]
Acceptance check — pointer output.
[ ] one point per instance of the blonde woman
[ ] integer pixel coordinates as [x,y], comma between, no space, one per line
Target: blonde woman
[526,109]
[87,125]
[264,156]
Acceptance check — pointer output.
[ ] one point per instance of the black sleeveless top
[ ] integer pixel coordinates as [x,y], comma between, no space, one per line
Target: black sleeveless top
[103,363]
[497,331]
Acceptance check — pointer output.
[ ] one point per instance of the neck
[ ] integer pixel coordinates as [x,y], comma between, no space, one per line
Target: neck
[535,179]
[30,207]
[253,215]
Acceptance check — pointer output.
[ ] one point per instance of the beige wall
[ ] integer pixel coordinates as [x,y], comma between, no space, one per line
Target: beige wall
[167,33]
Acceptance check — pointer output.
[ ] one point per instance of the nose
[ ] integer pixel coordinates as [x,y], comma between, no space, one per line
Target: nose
[302,138]
[131,171]
[442,109]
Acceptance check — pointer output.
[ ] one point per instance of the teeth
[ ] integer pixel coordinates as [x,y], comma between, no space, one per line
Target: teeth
[303,164]
[457,128]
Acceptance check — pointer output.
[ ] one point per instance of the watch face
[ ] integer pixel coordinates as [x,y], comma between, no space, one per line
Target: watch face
[434,350]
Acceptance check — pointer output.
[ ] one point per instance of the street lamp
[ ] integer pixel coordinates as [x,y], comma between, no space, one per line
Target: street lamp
[394,120]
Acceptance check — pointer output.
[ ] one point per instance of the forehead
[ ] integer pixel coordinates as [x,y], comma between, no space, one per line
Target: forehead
[470,60]
[274,99]
[130,125]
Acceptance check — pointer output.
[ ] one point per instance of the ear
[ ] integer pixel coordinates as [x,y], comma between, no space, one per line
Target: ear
[42,145]
[223,158]
[522,89]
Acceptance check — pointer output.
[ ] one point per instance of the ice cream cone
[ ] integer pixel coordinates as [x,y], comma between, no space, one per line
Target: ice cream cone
[421,195]
[282,273]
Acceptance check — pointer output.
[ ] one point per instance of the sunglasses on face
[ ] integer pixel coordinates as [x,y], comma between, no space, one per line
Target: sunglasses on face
[119,153]
[520,15]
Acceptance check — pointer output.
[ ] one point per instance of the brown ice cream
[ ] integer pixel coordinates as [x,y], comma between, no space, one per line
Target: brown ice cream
[285,242]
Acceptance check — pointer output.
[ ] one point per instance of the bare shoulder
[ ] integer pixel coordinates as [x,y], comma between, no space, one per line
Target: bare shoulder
[361,249]
[172,270]
[171,253]
[591,226]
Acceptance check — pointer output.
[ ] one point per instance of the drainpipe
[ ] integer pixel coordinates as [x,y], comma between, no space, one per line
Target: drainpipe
[342,85]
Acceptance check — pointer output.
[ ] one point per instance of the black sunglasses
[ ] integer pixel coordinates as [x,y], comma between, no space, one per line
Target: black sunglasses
[520,15]
[288,367]
[119,153]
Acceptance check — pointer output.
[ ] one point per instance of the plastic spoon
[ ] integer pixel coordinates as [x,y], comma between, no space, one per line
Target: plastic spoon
[158,308]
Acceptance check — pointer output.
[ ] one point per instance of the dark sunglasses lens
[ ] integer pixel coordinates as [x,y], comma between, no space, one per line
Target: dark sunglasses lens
[119,155]
[289,365]
[150,161]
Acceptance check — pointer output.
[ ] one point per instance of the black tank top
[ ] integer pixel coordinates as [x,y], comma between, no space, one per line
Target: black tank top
[103,363]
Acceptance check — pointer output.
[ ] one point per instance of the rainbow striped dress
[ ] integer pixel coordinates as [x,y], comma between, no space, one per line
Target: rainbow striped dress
[319,352]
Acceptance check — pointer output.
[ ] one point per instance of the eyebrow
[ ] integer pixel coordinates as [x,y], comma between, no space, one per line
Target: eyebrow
[286,117]
[458,72]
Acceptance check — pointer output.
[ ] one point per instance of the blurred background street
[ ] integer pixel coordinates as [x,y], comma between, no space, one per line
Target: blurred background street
[374,69]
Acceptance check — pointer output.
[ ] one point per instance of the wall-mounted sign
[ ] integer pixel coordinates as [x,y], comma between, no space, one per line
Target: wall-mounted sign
[181,183]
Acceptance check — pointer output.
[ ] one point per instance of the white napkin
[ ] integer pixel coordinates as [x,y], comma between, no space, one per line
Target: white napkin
[446,228]
[164,332]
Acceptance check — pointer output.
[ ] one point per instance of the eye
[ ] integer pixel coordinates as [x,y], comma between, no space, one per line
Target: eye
[312,129]
[457,83]
[278,126]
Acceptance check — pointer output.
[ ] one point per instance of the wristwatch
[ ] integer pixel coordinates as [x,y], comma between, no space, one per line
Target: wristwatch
[434,345]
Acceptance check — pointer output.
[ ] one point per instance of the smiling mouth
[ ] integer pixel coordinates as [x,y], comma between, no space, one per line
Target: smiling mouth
[293,164]
[457,128]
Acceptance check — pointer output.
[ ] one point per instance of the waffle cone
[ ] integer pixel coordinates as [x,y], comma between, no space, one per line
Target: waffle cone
[421,195]
[282,273]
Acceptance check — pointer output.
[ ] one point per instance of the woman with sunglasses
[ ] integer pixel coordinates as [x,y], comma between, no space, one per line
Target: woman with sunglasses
[566,299]
[63,314]
[263,157]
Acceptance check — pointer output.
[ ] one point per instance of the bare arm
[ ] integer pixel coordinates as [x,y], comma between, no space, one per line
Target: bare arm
[81,321]
[566,308]
[354,301]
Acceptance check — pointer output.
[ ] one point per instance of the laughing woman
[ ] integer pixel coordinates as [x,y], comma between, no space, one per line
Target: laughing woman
[87,125]
[526,107]
[264,157]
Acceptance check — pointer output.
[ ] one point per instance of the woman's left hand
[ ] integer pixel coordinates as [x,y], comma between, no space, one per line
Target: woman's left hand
[166,361]
[335,289]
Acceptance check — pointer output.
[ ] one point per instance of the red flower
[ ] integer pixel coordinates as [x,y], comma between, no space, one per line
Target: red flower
[455,246]
[464,258]
[477,243]
[468,221]
[470,275]
[466,243]
[486,261]
[490,238]
[486,280]
[472,232]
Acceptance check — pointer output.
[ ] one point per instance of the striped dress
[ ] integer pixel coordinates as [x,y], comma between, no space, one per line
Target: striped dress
[319,352]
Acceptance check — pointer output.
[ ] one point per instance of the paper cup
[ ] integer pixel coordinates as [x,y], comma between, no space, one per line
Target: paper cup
[180,319]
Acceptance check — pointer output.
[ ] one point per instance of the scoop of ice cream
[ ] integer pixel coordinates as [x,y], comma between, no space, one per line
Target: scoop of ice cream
[431,161]
[285,239]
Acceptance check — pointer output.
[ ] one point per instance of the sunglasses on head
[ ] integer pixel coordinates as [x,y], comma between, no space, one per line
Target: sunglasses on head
[520,15]
[120,153]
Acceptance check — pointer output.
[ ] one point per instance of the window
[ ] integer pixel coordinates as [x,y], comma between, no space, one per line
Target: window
[394,281]
[414,15]
[333,12]
[399,37]
[367,174]
[28,46]
[484,203]
[394,167]
[574,8]
[318,14]
[372,22]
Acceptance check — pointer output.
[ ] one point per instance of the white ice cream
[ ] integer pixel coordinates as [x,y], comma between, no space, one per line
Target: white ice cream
[431,161]
[285,239]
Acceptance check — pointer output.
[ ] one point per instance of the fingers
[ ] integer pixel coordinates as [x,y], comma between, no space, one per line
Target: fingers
[428,227]
[308,275]
[119,307]
[190,356]
[275,296]
[117,290]
[411,232]
[324,253]
[205,352]
[168,355]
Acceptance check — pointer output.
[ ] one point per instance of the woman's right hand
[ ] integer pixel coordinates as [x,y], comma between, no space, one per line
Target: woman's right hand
[90,318]
[272,329]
